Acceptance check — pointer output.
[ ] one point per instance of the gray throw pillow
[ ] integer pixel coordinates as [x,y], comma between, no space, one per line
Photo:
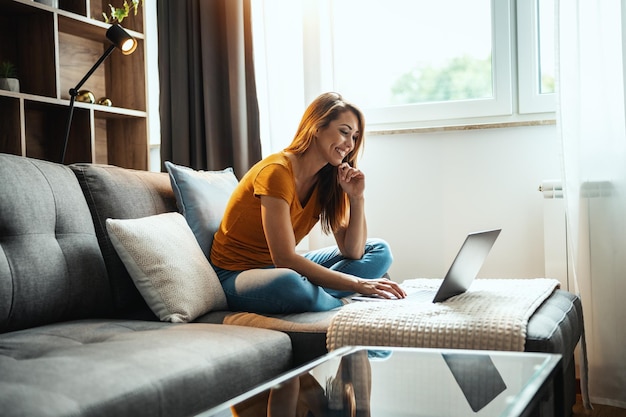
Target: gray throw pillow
[202,197]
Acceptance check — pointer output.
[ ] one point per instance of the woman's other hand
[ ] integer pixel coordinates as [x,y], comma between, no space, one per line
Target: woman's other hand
[382,287]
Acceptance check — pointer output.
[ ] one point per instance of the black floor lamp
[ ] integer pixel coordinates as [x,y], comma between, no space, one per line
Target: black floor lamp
[119,39]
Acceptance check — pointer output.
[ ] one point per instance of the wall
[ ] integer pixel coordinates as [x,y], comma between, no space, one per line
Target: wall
[426,191]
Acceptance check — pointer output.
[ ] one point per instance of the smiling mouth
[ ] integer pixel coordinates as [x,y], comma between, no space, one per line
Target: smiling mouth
[341,152]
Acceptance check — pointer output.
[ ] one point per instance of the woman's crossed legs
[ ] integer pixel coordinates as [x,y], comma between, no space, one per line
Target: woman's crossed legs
[282,290]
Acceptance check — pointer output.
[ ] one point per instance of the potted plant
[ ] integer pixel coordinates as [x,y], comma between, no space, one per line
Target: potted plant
[119,13]
[8,77]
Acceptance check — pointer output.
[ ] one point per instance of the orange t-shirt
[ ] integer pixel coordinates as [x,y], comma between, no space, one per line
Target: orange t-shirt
[239,243]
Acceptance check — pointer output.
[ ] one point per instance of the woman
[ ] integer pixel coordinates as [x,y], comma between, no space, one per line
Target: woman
[278,202]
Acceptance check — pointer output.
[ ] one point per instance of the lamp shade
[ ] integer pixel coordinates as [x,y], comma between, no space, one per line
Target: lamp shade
[121,39]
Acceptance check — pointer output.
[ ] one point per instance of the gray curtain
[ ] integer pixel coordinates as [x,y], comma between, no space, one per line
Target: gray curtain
[208,103]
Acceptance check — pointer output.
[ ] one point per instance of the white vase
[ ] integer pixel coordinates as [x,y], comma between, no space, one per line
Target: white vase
[11,84]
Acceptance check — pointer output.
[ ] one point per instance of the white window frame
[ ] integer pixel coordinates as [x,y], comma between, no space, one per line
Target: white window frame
[298,56]
[516,93]
[530,98]
[318,52]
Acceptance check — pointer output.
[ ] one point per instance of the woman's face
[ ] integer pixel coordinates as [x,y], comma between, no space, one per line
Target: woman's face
[335,141]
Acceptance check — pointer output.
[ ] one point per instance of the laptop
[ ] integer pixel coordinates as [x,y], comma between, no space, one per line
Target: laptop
[461,274]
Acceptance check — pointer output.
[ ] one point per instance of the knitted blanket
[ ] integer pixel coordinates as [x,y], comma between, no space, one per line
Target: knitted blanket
[491,315]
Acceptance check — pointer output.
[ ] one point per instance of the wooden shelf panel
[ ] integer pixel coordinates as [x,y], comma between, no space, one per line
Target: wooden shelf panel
[27,40]
[88,28]
[112,112]
[126,85]
[125,142]
[45,132]
[76,57]
[74,6]
[116,112]
[10,126]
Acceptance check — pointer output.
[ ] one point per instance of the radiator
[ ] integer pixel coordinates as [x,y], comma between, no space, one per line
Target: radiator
[554,232]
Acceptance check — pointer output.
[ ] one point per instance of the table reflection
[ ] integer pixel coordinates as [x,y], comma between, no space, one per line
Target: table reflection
[347,393]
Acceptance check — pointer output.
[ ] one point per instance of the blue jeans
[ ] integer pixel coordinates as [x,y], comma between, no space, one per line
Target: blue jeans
[282,290]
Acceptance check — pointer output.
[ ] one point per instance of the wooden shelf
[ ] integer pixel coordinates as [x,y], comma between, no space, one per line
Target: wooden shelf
[53,48]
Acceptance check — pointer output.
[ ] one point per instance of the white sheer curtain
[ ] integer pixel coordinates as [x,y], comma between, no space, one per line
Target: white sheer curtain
[592,126]
[278,44]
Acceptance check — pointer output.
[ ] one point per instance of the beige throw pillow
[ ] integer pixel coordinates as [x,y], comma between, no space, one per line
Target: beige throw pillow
[167,266]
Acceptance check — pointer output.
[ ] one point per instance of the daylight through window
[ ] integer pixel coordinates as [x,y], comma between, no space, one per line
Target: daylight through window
[400,52]
[406,63]
[545,15]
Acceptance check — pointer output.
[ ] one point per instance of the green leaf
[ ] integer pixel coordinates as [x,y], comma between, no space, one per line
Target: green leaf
[120,13]
[135,6]
[7,70]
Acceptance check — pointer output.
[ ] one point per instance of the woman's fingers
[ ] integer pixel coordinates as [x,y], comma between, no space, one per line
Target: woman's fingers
[384,288]
[347,173]
[393,288]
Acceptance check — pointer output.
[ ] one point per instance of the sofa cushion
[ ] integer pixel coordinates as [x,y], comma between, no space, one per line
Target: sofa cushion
[202,197]
[51,267]
[134,368]
[167,266]
[120,193]
[307,331]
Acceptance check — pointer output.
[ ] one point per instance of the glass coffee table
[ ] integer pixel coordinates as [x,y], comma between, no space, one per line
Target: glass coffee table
[394,382]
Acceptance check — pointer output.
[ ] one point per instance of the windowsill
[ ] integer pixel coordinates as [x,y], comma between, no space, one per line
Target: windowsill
[449,128]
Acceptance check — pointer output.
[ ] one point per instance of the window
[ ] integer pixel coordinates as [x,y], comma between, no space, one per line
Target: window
[408,63]
[414,56]
[536,56]
[430,61]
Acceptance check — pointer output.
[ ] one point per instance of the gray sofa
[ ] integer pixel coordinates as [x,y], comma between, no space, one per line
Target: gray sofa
[77,338]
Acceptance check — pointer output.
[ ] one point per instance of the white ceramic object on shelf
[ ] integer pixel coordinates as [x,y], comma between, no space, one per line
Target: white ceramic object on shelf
[10,84]
[51,3]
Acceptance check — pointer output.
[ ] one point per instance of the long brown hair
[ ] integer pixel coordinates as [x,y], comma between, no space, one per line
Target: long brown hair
[318,115]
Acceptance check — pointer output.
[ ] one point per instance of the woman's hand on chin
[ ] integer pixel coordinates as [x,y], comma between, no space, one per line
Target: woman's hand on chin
[351,180]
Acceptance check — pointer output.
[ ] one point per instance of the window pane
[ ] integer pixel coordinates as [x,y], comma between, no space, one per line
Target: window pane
[545,12]
[397,52]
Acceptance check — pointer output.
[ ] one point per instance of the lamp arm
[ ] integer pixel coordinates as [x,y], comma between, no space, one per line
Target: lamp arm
[104,56]
[74,92]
